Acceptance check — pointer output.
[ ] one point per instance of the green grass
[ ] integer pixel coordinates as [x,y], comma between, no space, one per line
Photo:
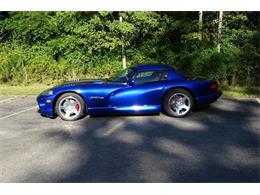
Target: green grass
[35,89]
[241,92]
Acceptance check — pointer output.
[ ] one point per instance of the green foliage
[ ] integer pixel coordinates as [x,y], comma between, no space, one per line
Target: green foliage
[51,46]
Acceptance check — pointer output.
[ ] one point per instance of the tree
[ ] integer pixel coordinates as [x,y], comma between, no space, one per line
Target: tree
[219,30]
[122,47]
[200,23]
[46,46]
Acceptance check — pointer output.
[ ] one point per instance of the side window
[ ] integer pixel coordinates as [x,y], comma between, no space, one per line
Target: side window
[150,76]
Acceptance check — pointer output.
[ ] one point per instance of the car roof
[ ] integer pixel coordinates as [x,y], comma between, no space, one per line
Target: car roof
[147,67]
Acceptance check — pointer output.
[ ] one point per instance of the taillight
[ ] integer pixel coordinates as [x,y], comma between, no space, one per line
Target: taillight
[214,86]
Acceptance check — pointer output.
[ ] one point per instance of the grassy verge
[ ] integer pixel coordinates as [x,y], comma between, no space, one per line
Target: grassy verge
[35,89]
[241,92]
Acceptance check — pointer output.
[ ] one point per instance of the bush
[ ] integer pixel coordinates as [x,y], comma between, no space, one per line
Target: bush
[56,46]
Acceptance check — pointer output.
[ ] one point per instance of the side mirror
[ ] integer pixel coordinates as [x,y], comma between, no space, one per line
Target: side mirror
[131,81]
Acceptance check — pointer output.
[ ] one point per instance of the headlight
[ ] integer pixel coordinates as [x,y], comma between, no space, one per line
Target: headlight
[47,92]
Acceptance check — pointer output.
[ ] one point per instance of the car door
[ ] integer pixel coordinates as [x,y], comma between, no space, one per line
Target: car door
[146,90]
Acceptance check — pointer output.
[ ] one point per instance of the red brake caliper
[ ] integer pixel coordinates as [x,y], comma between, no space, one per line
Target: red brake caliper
[77,106]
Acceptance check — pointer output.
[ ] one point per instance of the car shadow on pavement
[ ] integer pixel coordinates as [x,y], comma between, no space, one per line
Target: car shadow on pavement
[218,144]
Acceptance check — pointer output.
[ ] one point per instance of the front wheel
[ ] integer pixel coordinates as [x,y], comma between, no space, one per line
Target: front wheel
[178,103]
[70,106]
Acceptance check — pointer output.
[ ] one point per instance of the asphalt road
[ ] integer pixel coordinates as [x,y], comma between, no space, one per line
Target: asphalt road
[217,144]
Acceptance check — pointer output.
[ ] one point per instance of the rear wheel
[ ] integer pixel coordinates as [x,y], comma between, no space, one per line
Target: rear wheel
[178,103]
[70,106]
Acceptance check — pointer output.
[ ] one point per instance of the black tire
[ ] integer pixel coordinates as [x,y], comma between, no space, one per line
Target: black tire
[167,108]
[80,101]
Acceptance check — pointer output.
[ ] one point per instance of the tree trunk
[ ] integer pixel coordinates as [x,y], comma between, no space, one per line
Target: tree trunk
[200,23]
[219,29]
[122,48]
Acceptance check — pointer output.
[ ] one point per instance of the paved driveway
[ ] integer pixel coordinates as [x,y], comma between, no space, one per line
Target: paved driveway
[218,144]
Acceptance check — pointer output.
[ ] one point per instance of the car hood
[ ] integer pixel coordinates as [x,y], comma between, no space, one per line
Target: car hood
[88,82]
[83,82]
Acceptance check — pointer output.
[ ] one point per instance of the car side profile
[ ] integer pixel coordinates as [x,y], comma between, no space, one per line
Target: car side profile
[141,89]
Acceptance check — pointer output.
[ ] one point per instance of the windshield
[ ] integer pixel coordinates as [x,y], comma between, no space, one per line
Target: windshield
[123,76]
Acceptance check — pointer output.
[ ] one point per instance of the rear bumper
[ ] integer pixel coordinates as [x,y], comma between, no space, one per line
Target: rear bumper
[46,107]
[204,100]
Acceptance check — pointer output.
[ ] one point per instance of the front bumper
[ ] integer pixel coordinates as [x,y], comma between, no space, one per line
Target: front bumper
[46,105]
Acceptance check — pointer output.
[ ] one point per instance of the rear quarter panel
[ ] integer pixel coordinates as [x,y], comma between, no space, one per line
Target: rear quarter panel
[197,87]
[200,90]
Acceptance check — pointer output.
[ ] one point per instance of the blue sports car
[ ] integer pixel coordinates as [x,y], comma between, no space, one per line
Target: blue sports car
[139,90]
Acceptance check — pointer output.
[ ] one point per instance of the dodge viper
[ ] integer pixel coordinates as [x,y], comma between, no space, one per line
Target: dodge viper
[141,89]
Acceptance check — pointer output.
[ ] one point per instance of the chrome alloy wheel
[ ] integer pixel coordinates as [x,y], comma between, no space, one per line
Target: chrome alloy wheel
[179,103]
[69,107]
